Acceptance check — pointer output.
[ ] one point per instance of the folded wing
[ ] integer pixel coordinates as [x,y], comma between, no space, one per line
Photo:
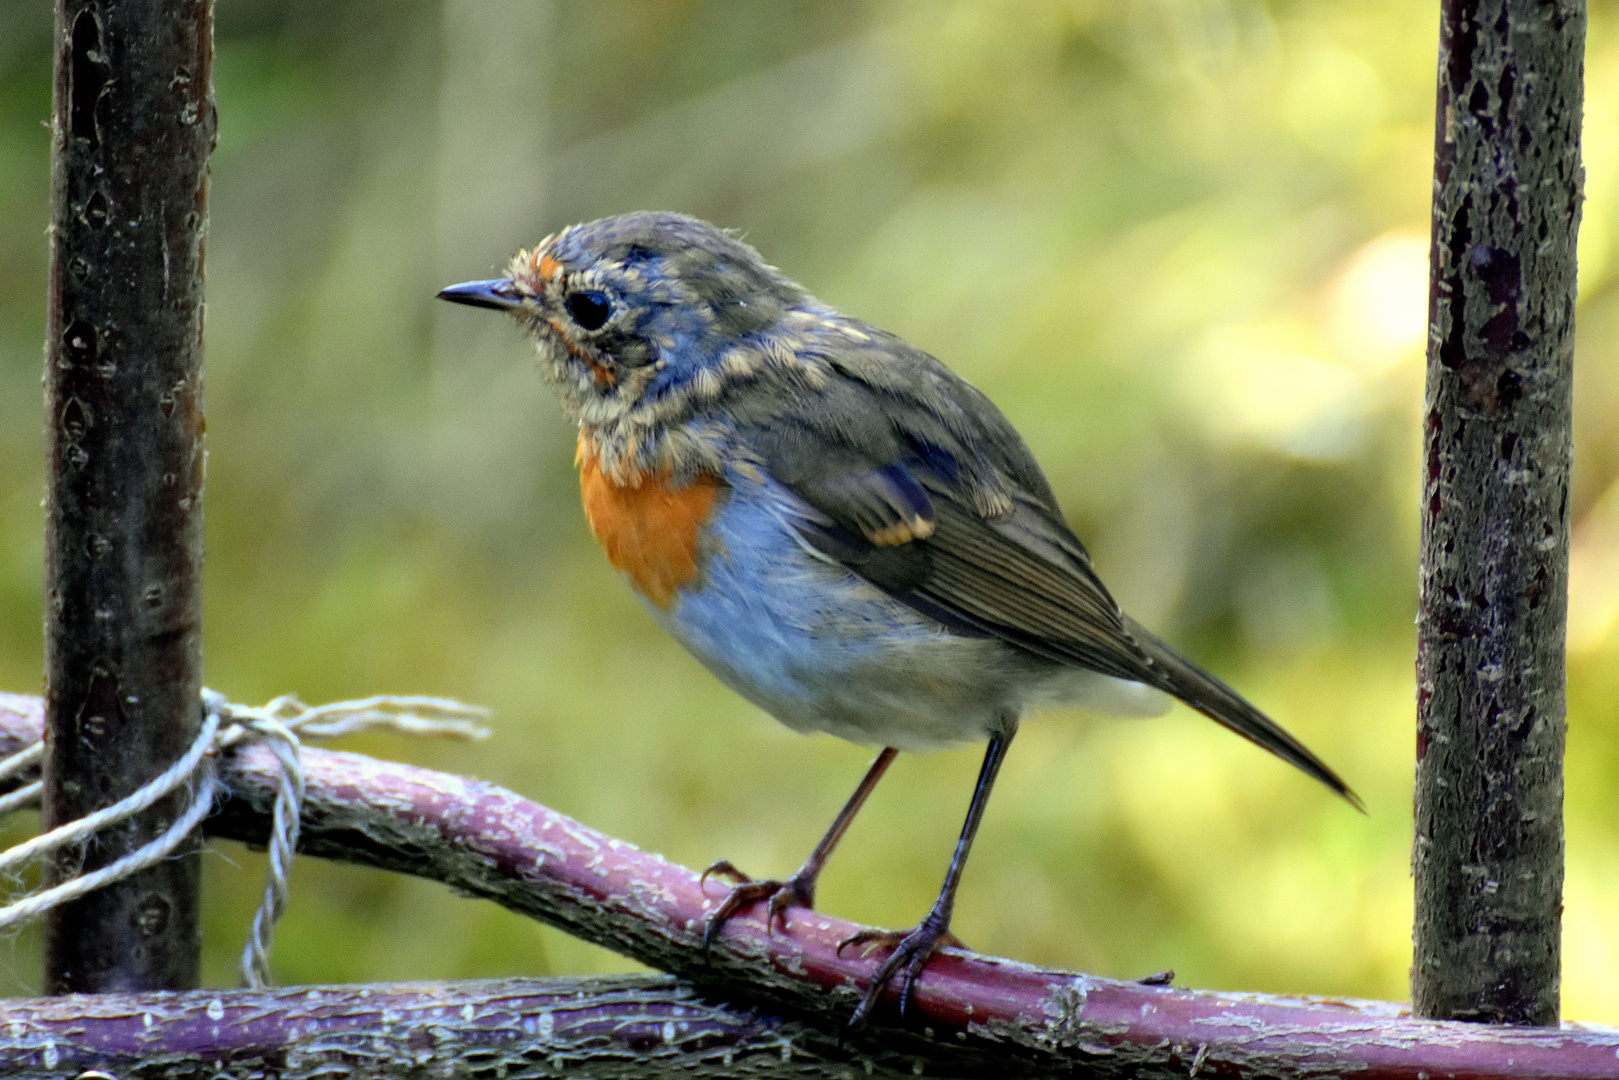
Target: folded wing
[943,507]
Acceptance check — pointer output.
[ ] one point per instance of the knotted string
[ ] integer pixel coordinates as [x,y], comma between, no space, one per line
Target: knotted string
[279,725]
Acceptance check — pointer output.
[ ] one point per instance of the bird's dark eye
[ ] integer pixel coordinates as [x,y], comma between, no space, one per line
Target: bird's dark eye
[589,308]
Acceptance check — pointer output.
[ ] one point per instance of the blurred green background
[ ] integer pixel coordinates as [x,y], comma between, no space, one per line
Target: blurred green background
[1181,242]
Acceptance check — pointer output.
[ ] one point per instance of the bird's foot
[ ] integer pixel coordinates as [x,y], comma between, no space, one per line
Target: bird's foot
[797,890]
[911,950]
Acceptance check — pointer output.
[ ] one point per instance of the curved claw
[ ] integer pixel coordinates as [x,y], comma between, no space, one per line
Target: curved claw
[725,868]
[746,892]
[912,949]
[794,892]
[876,939]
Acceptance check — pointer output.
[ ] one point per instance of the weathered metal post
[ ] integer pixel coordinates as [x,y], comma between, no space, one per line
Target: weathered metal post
[132,128]
[1488,856]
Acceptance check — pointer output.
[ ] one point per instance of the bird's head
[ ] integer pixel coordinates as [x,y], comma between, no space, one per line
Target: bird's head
[633,311]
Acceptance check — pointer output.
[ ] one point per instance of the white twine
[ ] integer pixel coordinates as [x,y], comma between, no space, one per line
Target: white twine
[143,797]
[279,724]
[28,794]
[21,760]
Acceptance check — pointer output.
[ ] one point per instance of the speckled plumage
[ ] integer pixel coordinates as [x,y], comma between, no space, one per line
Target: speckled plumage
[878,555]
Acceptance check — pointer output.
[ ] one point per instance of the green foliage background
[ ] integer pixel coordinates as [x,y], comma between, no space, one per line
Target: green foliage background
[1181,242]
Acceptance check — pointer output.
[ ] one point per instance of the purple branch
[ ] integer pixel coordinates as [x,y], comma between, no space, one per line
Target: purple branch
[632,1026]
[490,842]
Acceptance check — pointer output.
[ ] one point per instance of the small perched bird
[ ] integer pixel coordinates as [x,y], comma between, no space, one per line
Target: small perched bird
[839,527]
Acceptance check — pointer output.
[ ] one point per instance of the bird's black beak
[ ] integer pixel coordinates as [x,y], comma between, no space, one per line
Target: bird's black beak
[495,293]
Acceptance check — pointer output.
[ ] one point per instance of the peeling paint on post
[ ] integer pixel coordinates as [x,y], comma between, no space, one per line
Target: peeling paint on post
[1488,855]
[132,127]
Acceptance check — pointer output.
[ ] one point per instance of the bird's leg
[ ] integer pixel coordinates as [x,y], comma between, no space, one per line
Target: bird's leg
[800,888]
[913,947]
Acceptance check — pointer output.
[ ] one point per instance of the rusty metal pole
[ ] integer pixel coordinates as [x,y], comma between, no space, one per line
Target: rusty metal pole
[1488,857]
[132,127]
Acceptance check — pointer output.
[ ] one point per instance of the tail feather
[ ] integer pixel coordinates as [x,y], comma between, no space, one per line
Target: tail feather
[1214,699]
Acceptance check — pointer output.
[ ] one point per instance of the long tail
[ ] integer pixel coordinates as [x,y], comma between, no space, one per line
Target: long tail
[1217,701]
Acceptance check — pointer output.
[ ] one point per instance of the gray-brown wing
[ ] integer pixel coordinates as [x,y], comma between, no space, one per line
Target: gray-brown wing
[1022,578]
[917,482]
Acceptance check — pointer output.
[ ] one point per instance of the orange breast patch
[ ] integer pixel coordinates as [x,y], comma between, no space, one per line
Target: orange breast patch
[648,529]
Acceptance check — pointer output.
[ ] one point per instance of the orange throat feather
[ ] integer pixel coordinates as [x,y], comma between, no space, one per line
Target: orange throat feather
[648,528]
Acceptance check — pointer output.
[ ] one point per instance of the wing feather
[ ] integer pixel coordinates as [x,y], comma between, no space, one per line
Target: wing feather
[915,481]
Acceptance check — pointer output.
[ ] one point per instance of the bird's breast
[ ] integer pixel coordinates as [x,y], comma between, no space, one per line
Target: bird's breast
[650,529]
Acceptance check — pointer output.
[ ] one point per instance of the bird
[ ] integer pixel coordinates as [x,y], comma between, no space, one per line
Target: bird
[839,527]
